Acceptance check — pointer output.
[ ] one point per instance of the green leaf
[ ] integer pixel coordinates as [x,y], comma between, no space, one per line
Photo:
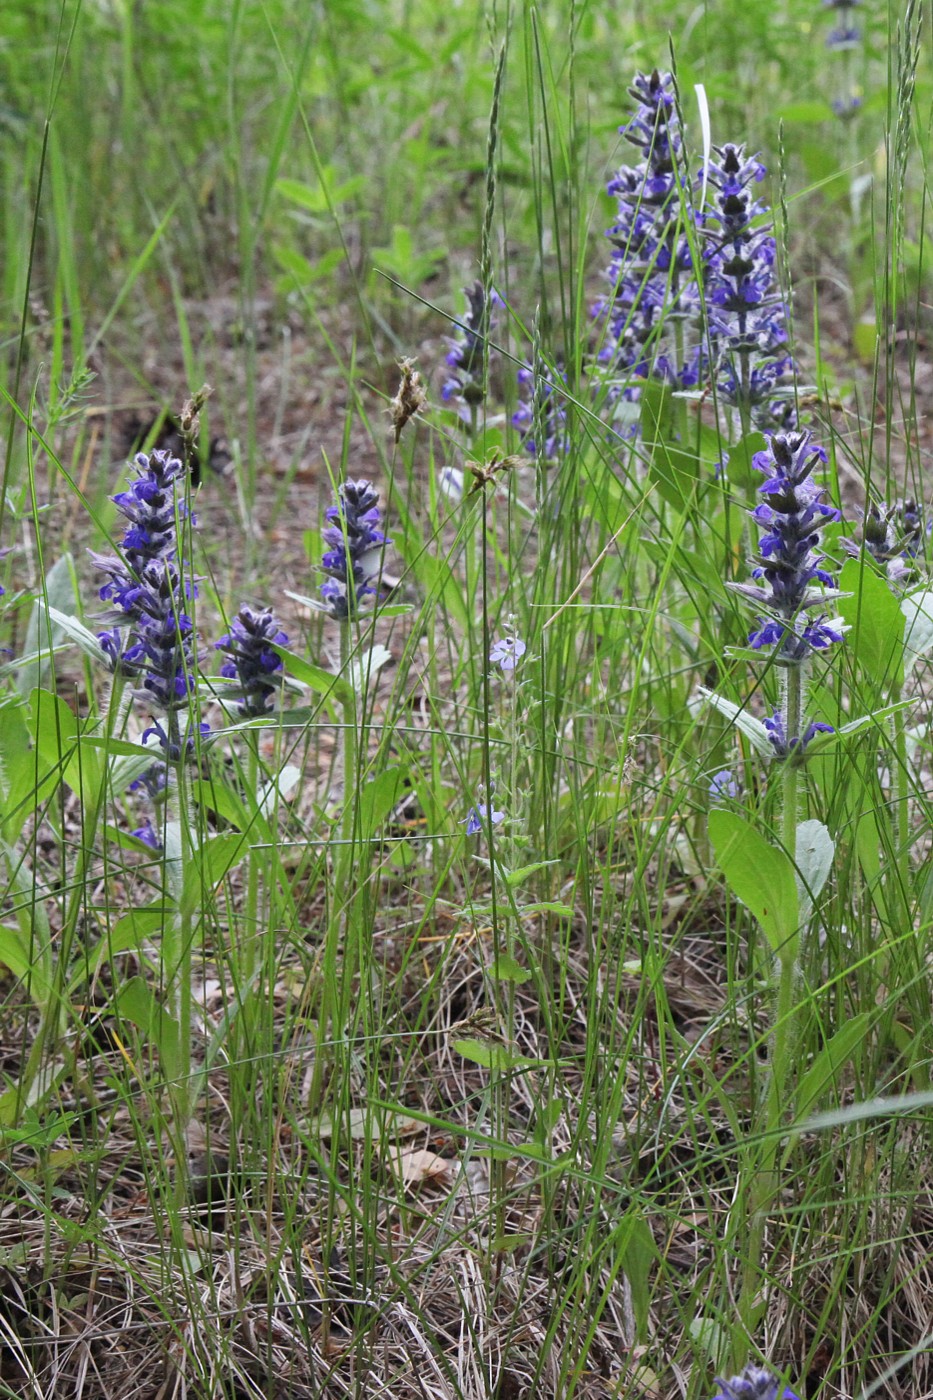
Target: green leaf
[376,800]
[826,1065]
[742,473]
[435,577]
[135,1003]
[315,677]
[918,631]
[760,875]
[672,471]
[213,860]
[752,728]
[18,956]
[549,906]
[507,969]
[514,878]
[814,853]
[492,1055]
[639,1252]
[41,632]
[876,623]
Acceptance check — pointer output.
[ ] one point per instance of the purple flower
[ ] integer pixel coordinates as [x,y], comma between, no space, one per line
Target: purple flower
[791,519]
[251,660]
[784,747]
[893,536]
[754,1383]
[507,652]
[148,835]
[357,545]
[541,417]
[476,816]
[465,356]
[154,782]
[175,747]
[845,36]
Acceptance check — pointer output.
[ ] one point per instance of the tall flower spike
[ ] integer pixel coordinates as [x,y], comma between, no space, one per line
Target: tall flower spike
[791,518]
[754,1383]
[652,258]
[356,548]
[251,660]
[151,636]
[745,310]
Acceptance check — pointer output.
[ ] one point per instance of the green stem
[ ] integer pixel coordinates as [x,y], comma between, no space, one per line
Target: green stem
[343,921]
[765,1185]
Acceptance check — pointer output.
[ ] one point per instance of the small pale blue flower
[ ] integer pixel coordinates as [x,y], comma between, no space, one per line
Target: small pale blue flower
[477,815]
[507,652]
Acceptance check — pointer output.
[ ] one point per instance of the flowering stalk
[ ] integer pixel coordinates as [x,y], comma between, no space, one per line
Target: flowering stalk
[791,591]
[652,265]
[843,39]
[745,312]
[256,670]
[151,640]
[352,563]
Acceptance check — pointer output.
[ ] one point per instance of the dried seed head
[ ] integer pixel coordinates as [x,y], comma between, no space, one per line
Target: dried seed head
[410,399]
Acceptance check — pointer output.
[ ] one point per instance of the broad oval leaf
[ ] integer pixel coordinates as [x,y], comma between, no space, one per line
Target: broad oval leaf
[761,876]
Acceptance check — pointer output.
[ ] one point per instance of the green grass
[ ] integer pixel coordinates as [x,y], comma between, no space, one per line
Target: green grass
[508,1113]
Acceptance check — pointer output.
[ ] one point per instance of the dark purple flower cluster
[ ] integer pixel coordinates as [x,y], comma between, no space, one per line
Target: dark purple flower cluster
[251,660]
[894,536]
[541,417]
[150,586]
[755,1383]
[652,259]
[465,356]
[745,310]
[356,548]
[791,518]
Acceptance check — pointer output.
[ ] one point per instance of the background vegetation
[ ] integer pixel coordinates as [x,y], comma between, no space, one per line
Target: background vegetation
[334,1094]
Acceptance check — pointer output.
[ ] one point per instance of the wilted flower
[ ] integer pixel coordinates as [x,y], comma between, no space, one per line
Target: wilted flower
[477,815]
[507,652]
[356,548]
[791,518]
[754,1383]
[251,659]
